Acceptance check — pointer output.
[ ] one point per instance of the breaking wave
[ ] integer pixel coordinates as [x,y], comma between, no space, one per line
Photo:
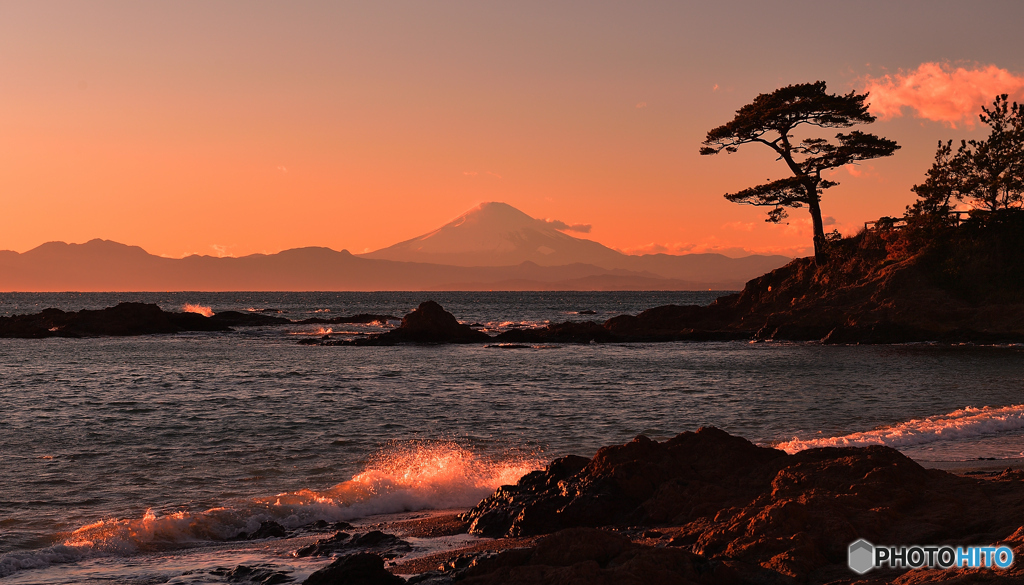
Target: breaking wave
[959,424]
[202,310]
[402,477]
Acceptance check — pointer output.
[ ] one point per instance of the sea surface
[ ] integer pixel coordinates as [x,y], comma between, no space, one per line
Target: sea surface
[135,460]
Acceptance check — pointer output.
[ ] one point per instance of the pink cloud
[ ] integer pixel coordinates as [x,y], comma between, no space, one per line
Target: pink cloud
[940,92]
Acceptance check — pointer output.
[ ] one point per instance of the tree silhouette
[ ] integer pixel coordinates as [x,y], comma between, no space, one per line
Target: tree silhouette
[770,120]
[987,174]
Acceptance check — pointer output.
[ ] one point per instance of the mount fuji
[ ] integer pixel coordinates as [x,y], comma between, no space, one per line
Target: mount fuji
[497,234]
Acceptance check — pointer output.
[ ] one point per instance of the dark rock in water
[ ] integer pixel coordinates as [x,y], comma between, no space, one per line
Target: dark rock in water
[431,323]
[360,318]
[238,319]
[324,546]
[567,332]
[730,501]
[325,526]
[267,529]
[386,545]
[586,312]
[357,569]
[121,320]
[428,323]
[255,575]
[680,323]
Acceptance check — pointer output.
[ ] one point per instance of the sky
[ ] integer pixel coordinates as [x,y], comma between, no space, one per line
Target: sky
[236,127]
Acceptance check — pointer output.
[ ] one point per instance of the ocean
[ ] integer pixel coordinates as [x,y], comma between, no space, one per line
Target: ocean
[136,460]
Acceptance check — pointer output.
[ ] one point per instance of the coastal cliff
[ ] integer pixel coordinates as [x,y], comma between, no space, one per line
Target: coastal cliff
[885,285]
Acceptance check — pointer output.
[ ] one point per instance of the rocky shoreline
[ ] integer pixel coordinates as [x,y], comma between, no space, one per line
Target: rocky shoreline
[127,319]
[882,286]
[702,507]
[742,316]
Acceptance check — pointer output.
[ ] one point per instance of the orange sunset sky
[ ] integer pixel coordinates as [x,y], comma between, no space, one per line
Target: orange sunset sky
[231,127]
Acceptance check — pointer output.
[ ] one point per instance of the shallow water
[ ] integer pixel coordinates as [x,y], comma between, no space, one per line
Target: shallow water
[144,445]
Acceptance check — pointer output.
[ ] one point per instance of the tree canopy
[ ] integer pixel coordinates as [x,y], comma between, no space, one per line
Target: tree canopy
[771,119]
[986,174]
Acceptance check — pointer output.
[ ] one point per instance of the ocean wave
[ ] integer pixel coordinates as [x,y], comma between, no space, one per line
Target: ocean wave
[13,562]
[964,423]
[197,308]
[404,476]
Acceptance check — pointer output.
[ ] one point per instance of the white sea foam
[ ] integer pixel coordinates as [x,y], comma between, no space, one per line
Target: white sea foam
[195,308]
[959,424]
[403,477]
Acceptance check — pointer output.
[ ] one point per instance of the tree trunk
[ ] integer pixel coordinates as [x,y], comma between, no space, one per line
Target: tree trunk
[819,227]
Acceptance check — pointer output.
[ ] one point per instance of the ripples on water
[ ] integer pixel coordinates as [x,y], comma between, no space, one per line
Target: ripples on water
[127,440]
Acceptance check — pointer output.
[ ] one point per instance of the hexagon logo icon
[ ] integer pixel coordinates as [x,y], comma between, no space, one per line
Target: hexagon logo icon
[861,556]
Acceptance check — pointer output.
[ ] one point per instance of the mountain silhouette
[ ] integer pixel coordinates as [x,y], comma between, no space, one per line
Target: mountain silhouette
[492,247]
[497,234]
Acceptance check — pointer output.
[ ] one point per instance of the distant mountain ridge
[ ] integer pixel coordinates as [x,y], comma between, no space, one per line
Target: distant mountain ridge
[497,234]
[492,234]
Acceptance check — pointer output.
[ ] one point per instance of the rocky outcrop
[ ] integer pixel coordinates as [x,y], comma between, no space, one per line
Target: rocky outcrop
[428,323]
[123,319]
[145,319]
[727,500]
[357,569]
[387,546]
[946,284]
[567,332]
[613,487]
[681,323]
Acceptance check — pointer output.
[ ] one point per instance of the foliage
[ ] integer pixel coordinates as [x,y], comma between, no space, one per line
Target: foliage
[986,174]
[770,120]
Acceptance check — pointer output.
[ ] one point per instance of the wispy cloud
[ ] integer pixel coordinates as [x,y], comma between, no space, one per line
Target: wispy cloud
[715,247]
[583,228]
[940,92]
[739,226]
[641,105]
